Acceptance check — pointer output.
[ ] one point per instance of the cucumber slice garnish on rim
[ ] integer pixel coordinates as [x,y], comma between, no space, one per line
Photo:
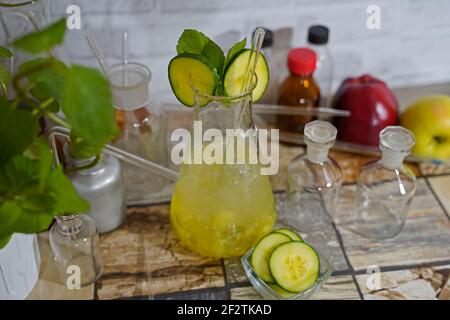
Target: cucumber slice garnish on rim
[294,266]
[235,73]
[188,71]
[261,254]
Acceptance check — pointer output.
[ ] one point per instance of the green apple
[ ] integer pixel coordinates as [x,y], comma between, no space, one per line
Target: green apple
[429,119]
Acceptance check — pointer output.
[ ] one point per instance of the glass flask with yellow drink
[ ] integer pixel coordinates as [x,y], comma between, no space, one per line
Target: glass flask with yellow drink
[220,209]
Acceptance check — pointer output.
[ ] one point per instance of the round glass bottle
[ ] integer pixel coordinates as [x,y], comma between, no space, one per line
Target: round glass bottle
[385,187]
[76,248]
[314,180]
[222,209]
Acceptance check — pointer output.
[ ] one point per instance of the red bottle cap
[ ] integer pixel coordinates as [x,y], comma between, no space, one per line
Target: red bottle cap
[301,61]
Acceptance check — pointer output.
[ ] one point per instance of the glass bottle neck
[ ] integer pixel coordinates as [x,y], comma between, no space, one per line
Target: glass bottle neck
[392,159]
[69,224]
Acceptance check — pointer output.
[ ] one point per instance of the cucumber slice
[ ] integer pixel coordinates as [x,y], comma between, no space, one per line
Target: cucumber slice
[234,75]
[290,233]
[186,68]
[294,266]
[283,293]
[260,256]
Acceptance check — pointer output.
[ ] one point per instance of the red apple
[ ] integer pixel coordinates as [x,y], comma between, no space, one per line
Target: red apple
[372,105]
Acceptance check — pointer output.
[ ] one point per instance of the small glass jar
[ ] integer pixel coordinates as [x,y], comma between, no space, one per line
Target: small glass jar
[314,180]
[385,187]
[76,248]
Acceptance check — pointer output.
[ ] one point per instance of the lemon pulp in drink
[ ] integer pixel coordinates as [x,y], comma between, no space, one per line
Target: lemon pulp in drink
[221,210]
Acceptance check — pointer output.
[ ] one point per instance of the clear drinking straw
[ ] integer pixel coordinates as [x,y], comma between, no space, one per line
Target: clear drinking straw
[118,153]
[125,57]
[257,41]
[98,53]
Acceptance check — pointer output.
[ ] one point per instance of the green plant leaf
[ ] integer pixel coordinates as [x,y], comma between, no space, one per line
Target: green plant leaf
[65,197]
[4,240]
[9,214]
[45,157]
[191,41]
[48,81]
[43,40]
[17,129]
[5,52]
[87,104]
[195,42]
[233,51]
[33,222]
[214,54]
[5,76]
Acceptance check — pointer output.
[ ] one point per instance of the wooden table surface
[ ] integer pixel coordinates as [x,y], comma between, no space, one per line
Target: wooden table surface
[143,259]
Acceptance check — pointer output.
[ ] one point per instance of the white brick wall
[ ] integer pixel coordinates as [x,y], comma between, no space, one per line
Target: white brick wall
[412,47]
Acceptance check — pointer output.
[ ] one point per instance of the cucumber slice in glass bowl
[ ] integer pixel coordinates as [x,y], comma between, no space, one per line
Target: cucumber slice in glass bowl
[262,252]
[294,266]
[189,71]
[273,291]
[290,233]
[235,71]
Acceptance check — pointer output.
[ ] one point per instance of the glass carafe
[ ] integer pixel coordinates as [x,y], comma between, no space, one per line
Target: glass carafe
[385,187]
[314,180]
[221,210]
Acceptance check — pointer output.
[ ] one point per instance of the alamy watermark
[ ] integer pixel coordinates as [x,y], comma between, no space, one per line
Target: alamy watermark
[232,146]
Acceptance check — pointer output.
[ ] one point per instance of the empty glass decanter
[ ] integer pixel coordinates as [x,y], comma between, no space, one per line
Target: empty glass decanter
[314,180]
[385,187]
[76,248]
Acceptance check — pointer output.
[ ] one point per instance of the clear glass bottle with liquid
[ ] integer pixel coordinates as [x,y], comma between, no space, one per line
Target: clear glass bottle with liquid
[385,187]
[317,41]
[76,249]
[142,128]
[314,180]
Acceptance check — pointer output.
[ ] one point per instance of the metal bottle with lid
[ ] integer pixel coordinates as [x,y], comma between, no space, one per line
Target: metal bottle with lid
[102,186]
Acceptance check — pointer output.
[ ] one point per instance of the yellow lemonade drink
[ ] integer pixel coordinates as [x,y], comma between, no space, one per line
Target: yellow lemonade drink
[222,210]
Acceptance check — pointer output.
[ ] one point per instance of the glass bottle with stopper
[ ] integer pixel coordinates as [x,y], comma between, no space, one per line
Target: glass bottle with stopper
[314,180]
[142,127]
[385,187]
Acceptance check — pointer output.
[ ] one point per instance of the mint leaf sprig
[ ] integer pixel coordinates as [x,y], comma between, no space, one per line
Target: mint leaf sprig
[195,42]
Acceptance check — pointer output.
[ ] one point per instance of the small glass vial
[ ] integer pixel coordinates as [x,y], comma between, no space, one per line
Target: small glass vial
[101,185]
[314,180]
[385,187]
[318,40]
[76,248]
[298,90]
[142,128]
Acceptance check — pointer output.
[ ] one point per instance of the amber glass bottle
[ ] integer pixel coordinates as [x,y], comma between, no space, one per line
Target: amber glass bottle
[298,90]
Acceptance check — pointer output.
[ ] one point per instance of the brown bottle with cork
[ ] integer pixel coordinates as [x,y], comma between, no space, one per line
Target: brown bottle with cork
[298,90]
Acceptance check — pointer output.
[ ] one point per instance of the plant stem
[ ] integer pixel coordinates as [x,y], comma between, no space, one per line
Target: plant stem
[57,120]
[20,75]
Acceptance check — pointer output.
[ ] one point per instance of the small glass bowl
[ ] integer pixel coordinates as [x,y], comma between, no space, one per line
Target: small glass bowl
[326,269]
